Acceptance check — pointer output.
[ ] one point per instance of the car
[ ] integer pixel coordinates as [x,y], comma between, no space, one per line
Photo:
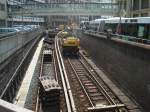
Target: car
[22,27]
[8,30]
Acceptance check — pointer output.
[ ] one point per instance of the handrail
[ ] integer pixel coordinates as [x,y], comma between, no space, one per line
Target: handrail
[7,34]
[123,37]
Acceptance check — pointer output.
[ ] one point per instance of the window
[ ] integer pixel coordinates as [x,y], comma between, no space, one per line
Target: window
[144,14]
[136,15]
[135,4]
[129,29]
[2,7]
[133,20]
[144,4]
[143,31]
[2,23]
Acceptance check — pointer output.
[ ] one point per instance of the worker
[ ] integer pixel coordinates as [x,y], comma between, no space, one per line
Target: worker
[108,33]
[47,34]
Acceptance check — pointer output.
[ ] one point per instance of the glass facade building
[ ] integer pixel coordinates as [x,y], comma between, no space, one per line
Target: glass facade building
[135,8]
[21,19]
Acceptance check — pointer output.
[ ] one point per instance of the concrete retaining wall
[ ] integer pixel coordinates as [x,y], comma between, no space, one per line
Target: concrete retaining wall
[127,64]
[11,43]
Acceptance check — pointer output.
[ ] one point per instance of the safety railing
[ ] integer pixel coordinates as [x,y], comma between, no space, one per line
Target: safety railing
[131,38]
[122,37]
[7,34]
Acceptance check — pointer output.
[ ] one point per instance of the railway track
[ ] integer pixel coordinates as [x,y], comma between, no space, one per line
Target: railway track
[49,98]
[55,70]
[83,89]
[89,94]
[69,100]
[93,92]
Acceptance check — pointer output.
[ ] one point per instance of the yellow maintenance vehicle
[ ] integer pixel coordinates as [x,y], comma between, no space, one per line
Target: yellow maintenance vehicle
[63,34]
[61,27]
[70,45]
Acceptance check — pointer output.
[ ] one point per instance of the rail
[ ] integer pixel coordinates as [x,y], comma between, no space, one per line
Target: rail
[103,90]
[83,74]
[55,68]
[108,97]
[38,105]
[81,84]
[67,90]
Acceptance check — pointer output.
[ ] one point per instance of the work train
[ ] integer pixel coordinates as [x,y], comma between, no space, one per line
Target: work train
[137,27]
[70,43]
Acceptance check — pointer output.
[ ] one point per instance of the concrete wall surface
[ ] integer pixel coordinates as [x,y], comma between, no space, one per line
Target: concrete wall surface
[10,43]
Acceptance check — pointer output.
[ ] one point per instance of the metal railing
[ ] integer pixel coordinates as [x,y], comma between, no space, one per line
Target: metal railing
[122,37]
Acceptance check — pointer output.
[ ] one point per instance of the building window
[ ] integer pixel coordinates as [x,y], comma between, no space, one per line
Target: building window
[135,15]
[144,4]
[135,4]
[2,23]
[144,14]
[2,7]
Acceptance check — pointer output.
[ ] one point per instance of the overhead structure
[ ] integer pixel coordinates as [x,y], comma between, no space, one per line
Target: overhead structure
[44,9]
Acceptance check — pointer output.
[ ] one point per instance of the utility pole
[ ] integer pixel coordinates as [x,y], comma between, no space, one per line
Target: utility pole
[120,14]
[6,23]
[22,11]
